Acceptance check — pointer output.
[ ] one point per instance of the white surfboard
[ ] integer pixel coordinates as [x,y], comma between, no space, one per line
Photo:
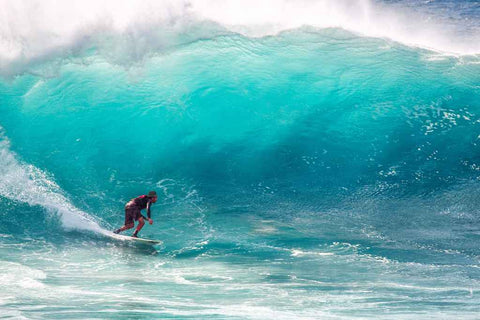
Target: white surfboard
[135,240]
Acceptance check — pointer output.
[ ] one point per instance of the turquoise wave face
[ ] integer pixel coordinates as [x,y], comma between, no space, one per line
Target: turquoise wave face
[301,108]
[275,158]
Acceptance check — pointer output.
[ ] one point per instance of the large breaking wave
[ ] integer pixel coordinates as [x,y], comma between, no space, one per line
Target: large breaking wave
[310,116]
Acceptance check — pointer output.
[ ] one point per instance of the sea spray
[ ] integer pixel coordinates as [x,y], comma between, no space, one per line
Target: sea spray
[26,183]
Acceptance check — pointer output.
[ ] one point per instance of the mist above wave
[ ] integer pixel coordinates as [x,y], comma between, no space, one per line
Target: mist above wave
[32,31]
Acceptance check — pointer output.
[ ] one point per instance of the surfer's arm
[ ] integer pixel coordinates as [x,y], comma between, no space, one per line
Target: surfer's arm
[148,219]
[148,209]
[148,213]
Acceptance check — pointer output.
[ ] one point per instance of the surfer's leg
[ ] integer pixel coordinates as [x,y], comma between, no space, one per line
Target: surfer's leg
[125,227]
[129,224]
[141,222]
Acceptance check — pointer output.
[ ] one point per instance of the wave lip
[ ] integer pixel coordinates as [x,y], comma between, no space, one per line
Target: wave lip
[363,17]
[42,30]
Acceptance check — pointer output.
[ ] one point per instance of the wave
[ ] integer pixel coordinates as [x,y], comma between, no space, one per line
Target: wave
[128,31]
[300,107]
[271,126]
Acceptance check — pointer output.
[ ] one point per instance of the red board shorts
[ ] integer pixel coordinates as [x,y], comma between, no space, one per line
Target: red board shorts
[132,214]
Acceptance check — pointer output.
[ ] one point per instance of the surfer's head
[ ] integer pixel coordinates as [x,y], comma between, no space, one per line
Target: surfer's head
[153,196]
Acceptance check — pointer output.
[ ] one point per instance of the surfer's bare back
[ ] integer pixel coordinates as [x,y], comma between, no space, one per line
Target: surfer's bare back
[132,212]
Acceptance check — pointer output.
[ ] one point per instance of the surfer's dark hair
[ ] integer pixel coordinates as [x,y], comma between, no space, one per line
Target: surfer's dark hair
[152,194]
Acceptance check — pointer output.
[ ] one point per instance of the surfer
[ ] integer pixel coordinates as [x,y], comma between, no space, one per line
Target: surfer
[132,212]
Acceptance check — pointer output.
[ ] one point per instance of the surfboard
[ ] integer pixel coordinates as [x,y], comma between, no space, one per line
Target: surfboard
[135,240]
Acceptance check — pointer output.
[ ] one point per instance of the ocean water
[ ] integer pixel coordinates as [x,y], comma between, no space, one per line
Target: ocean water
[313,159]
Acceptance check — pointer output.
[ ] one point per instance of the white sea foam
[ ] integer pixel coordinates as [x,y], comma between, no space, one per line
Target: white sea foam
[300,253]
[32,29]
[23,277]
[26,183]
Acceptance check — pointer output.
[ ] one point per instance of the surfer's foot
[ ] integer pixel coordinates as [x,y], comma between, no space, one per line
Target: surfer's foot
[134,235]
[116,231]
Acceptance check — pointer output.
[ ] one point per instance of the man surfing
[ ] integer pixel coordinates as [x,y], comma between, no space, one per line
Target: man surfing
[132,212]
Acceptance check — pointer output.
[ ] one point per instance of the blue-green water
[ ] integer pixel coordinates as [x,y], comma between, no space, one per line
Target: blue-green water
[315,173]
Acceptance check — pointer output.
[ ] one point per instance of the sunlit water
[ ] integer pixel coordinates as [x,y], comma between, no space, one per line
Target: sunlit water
[306,168]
